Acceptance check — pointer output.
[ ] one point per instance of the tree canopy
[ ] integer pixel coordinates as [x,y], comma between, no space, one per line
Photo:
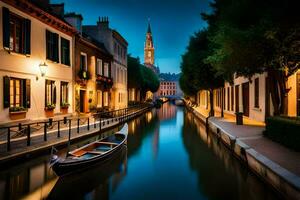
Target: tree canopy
[245,37]
[141,77]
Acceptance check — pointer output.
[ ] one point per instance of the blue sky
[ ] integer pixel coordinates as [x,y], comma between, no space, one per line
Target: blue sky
[172,23]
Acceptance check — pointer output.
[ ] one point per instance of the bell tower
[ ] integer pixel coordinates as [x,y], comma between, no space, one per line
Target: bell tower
[149,48]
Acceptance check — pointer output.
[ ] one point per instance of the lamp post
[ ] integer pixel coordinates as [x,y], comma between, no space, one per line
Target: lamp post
[43,68]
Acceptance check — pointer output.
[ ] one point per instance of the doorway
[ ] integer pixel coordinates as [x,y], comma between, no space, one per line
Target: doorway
[245,91]
[237,98]
[82,100]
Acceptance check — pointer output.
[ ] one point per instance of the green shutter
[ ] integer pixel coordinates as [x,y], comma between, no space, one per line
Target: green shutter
[6,31]
[48,37]
[54,94]
[6,96]
[55,47]
[27,94]
[27,33]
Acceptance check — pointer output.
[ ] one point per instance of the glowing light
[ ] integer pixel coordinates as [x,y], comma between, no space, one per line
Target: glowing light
[43,68]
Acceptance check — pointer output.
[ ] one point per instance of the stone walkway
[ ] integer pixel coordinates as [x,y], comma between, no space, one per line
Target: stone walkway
[251,133]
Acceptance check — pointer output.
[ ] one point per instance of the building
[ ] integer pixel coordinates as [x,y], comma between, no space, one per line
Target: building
[92,71]
[36,61]
[251,97]
[149,51]
[116,46]
[167,88]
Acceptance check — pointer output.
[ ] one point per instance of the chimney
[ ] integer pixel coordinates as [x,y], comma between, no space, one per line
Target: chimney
[58,9]
[75,20]
[103,23]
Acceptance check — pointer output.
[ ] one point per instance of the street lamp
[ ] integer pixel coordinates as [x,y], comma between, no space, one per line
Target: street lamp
[43,68]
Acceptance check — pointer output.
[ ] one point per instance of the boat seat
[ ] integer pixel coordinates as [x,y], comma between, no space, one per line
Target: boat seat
[109,143]
[95,152]
[103,148]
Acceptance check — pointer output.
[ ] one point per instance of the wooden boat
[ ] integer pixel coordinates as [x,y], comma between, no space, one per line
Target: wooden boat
[90,154]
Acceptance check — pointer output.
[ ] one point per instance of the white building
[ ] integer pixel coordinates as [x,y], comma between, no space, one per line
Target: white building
[36,62]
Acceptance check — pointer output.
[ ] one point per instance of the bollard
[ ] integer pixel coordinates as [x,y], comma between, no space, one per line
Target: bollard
[78,125]
[58,129]
[28,135]
[8,139]
[65,120]
[45,131]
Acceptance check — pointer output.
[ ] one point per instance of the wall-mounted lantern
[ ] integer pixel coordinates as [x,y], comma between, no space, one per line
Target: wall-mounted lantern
[43,68]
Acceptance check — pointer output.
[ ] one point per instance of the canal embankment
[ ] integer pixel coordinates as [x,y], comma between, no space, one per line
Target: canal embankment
[273,163]
[39,138]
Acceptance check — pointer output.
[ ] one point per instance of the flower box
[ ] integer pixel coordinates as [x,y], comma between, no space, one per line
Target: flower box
[17,115]
[64,110]
[49,112]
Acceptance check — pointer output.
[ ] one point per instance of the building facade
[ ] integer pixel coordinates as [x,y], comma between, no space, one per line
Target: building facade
[251,97]
[167,88]
[116,46]
[92,71]
[36,62]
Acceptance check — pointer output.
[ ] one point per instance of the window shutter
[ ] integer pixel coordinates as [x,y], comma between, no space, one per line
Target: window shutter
[6,96]
[55,49]
[54,94]
[27,33]
[47,44]
[6,31]
[27,94]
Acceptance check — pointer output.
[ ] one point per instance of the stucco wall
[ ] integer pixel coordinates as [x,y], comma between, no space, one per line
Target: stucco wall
[17,65]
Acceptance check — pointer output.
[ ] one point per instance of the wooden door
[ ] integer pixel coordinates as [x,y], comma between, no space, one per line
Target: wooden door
[298,94]
[237,98]
[82,101]
[245,91]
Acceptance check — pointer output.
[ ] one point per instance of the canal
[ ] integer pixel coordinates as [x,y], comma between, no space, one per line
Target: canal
[169,156]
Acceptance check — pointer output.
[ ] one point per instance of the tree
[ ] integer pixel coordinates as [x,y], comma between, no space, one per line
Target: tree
[251,36]
[196,73]
[141,77]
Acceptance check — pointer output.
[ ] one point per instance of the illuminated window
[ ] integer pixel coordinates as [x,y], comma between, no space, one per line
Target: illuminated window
[15,93]
[99,67]
[50,94]
[105,98]
[64,92]
[99,98]
[106,70]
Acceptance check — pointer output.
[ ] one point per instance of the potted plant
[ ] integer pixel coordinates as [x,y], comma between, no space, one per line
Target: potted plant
[17,112]
[64,106]
[49,110]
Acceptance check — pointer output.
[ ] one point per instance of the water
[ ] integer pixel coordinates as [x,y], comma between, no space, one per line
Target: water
[169,156]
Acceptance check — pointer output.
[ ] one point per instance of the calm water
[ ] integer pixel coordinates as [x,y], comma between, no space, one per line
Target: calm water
[169,156]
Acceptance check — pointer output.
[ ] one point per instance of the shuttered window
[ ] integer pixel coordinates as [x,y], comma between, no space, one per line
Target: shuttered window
[99,98]
[16,92]
[99,67]
[50,93]
[52,46]
[16,32]
[65,51]
[64,92]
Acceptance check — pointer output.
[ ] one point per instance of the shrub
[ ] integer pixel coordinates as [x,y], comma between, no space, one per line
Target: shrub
[17,109]
[50,106]
[64,105]
[284,130]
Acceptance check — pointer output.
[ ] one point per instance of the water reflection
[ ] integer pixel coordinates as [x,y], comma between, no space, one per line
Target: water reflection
[169,156]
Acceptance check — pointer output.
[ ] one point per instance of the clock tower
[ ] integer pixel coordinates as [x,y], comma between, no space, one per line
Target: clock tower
[149,48]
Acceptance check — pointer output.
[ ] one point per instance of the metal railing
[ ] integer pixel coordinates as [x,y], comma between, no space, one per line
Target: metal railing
[82,123]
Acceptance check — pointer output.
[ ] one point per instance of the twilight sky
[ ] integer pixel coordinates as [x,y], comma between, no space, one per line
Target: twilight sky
[172,23]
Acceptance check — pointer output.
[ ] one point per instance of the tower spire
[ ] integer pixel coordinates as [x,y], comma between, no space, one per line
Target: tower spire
[149,27]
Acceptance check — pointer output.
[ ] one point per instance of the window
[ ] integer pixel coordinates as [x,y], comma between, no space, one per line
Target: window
[256,93]
[15,93]
[65,51]
[83,61]
[106,70]
[149,54]
[99,98]
[52,46]
[16,34]
[105,99]
[99,67]
[50,93]
[63,92]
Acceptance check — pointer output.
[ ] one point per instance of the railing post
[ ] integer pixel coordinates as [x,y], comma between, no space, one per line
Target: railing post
[69,138]
[28,135]
[20,126]
[58,129]
[45,131]
[88,126]
[100,122]
[78,125]
[95,122]
[8,139]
